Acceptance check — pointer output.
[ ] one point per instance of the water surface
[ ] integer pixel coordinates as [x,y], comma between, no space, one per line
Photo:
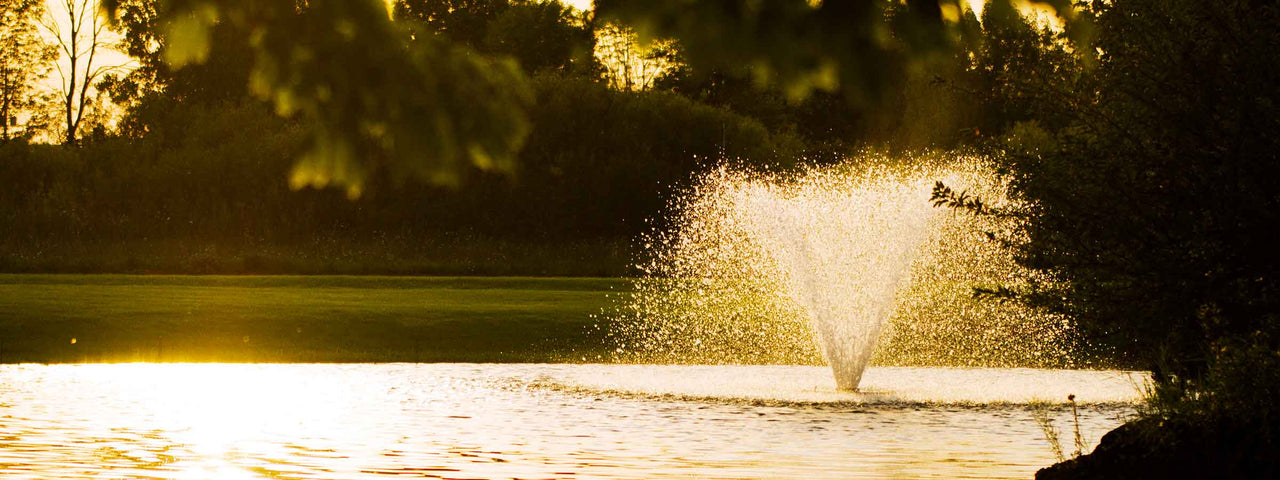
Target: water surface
[294,421]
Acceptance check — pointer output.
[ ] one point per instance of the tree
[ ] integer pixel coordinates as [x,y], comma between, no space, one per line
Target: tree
[630,64]
[24,60]
[543,35]
[798,45]
[1142,167]
[143,40]
[465,22]
[435,87]
[539,34]
[158,98]
[79,29]
[375,96]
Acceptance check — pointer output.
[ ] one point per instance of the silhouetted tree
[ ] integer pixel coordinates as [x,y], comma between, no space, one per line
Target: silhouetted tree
[543,35]
[798,45]
[158,97]
[25,59]
[629,64]
[465,22]
[1152,200]
[80,30]
[1142,167]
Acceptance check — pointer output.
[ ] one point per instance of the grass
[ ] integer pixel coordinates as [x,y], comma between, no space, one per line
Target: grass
[392,255]
[120,318]
[1042,413]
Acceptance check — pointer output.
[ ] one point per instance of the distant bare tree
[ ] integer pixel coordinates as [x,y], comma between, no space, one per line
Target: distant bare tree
[79,29]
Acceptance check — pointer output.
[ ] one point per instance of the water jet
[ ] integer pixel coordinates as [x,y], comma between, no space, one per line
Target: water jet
[813,267]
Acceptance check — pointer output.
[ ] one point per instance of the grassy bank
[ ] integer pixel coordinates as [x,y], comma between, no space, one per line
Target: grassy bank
[390,255]
[299,318]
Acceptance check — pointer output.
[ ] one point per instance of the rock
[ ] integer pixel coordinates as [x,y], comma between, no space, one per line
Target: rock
[1156,448]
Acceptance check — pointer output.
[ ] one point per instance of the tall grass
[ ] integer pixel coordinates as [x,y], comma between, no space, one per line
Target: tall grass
[1043,412]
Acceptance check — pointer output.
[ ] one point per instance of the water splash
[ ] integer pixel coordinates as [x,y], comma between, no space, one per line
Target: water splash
[811,268]
[843,245]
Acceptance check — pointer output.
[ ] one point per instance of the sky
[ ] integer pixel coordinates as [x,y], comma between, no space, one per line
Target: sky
[58,10]
[579,4]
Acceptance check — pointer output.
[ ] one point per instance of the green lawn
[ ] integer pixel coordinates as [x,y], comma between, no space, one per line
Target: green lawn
[301,318]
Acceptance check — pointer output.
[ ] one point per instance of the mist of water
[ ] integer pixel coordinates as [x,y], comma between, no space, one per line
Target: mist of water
[815,266]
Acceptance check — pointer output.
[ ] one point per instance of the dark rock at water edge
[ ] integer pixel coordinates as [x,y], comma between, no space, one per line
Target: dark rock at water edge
[1175,448]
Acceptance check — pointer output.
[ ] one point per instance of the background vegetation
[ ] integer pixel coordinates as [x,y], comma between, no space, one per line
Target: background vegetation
[202,173]
[1139,149]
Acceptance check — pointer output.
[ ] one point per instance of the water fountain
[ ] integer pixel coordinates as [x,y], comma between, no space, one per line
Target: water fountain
[843,245]
[812,267]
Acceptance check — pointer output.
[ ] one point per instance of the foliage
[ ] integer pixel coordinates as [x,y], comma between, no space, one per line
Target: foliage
[463,22]
[210,175]
[539,35]
[1140,159]
[626,153]
[374,97]
[862,48]
[929,97]
[786,38]
[155,87]
[1150,202]
[543,36]
[25,59]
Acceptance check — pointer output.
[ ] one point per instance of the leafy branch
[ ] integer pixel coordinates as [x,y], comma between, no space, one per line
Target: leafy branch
[944,196]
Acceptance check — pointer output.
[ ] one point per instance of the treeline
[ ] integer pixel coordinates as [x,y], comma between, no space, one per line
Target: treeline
[195,178]
[599,164]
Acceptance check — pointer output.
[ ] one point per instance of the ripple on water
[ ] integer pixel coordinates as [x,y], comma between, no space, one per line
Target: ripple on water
[881,386]
[542,421]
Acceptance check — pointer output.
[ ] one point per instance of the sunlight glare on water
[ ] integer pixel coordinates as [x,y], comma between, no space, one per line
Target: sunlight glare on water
[172,421]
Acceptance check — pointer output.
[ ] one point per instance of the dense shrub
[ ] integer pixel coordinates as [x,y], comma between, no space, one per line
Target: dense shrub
[1142,159]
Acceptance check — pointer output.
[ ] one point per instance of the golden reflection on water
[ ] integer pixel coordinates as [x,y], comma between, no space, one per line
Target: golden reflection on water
[197,421]
[215,409]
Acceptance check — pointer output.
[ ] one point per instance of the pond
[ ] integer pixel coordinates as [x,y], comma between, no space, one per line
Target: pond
[321,421]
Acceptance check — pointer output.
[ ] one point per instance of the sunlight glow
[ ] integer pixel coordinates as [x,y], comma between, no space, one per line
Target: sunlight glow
[976,6]
[629,64]
[89,26]
[219,410]
[583,5]
[1040,14]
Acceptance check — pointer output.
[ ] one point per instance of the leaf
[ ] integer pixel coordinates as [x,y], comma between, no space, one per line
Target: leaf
[188,36]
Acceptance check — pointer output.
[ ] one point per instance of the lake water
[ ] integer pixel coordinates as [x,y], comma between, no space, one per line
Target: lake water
[293,421]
